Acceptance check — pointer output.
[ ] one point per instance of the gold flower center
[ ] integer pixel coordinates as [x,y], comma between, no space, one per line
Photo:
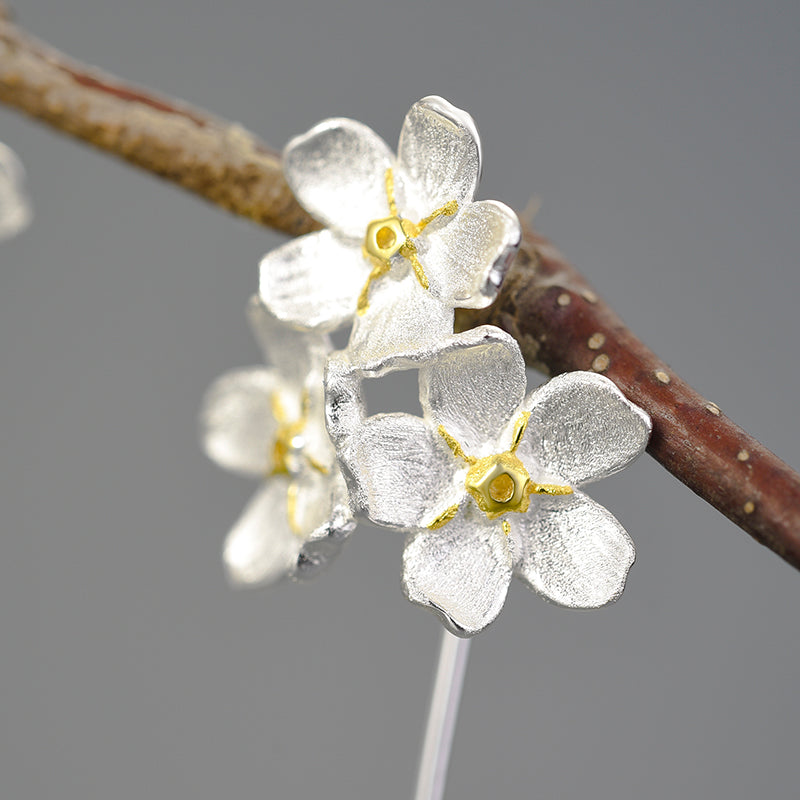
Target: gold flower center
[288,457]
[286,450]
[501,489]
[498,483]
[384,238]
[387,237]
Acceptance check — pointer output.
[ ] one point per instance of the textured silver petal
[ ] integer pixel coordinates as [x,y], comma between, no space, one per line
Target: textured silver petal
[468,258]
[439,156]
[15,208]
[299,357]
[473,385]
[296,354]
[261,547]
[345,407]
[581,429]
[313,501]
[236,422]
[402,319]
[317,445]
[337,172]
[320,493]
[461,571]
[572,551]
[397,470]
[313,281]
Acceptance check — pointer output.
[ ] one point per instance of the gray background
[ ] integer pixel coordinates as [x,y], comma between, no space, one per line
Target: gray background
[663,141]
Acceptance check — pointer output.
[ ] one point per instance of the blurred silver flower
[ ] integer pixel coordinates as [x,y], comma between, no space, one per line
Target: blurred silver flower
[486,481]
[15,208]
[405,242]
[269,424]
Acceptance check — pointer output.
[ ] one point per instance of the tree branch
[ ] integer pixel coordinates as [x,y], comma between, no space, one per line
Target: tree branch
[559,321]
[218,160]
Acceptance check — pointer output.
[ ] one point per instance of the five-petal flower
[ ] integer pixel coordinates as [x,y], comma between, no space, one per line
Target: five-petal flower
[405,243]
[268,423]
[487,481]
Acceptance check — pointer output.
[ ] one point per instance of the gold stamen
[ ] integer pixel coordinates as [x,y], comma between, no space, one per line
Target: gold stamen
[519,429]
[506,527]
[447,210]
[453,444]
[548,488]
[409,229]
[409,251]
[279,454]
[444,518]
[378,271]
[278,408]
[317,465]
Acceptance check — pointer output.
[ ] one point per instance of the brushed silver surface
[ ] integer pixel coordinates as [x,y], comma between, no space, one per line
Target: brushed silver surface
[403,474]
[338,171]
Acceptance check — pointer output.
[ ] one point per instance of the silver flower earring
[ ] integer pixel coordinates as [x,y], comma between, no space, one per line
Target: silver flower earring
[268,424]
[487,481]
[405,241]
[486,484]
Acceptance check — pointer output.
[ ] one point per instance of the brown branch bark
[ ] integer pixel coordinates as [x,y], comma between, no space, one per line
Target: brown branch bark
[545,303]
[218,160]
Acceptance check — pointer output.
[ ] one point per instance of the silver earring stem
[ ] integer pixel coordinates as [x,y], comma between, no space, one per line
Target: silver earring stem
[442,716]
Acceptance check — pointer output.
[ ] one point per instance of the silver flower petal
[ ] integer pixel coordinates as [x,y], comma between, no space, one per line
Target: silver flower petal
[345,407]
[313,281]
[261,547]
[439,156]
[581,429]
[397,470]
[572,551]
[236,420]
[461,571]
[324,510]
[402,319]
[468,257]
[473,385]
[297,355]
[336,171]
[316,443]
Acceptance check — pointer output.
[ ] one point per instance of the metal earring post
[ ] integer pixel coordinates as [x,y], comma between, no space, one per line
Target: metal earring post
[442,716]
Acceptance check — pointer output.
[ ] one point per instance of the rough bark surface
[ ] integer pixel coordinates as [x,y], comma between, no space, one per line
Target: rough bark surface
[218,160]
[558,319]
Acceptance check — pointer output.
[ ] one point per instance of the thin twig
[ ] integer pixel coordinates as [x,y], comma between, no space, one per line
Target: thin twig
[545,303]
